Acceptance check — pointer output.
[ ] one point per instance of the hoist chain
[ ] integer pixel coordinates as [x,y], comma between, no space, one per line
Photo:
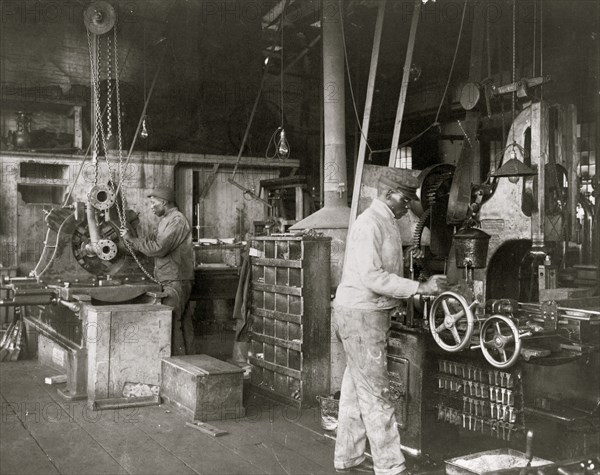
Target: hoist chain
[93,65]
[108,88]
[101,135]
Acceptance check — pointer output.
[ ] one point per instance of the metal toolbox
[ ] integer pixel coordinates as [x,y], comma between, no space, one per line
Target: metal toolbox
[490,461]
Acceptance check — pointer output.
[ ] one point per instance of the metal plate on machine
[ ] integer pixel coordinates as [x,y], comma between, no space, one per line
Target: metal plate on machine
[398,369]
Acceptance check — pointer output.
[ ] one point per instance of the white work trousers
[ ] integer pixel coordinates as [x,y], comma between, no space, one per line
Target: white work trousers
[366,411]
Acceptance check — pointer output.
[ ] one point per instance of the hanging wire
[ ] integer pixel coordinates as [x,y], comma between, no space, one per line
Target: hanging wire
[144,132]
[350,80]
[281,64]
[437,115]
[283,147]
[278,139]
[462,22]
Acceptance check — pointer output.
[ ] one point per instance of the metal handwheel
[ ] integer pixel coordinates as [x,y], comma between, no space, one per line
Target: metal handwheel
[451,321]
[500,341]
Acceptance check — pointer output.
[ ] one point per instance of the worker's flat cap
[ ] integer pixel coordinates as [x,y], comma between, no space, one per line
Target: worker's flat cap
[401,180]
[162,192]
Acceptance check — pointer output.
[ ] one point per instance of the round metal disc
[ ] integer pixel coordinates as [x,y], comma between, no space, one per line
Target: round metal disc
[106,249]
[99,17]
[101,197]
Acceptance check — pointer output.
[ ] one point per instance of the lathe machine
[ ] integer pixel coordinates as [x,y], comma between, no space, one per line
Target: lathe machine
[90,307]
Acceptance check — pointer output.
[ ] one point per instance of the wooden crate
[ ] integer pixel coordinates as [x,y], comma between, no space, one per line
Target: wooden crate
[291,318]
[208,388]
[126,344]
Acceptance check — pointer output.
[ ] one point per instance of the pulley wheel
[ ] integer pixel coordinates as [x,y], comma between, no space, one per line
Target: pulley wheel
[101,197]
[451,321]
[500,341]
[99,17]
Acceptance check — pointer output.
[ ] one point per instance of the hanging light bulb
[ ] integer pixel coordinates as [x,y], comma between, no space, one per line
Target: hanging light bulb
[513,156]
[144,133]
[283,147]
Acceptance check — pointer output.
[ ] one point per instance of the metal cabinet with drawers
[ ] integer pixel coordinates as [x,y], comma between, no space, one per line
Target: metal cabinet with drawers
[290,332]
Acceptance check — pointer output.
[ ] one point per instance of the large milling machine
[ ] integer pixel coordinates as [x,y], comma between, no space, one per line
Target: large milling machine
[515,343]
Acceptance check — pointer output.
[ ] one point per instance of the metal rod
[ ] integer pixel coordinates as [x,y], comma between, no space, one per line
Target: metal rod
[249,125]
[142,115]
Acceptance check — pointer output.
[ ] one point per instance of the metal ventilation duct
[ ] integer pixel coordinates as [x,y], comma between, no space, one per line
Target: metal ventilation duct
[333,218]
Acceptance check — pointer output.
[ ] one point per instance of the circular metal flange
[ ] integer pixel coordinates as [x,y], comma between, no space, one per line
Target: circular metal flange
[500,341]
[451,321]
[106,249]
[101,197]
[99,17]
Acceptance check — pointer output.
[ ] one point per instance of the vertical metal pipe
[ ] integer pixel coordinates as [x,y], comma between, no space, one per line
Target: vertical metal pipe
[335,182]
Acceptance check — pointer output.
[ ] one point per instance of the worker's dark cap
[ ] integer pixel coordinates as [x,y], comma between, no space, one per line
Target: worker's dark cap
[402,181]
[162,192]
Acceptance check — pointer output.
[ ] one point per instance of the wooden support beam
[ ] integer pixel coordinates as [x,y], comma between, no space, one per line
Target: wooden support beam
[405,75]
[367,112]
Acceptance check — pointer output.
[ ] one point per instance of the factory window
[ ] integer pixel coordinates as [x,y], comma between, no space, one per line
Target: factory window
[403,158]
[41,194]
[43,171]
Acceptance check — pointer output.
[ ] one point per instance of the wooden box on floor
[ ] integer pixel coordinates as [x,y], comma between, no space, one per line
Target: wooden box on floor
[126,344]
[210,389]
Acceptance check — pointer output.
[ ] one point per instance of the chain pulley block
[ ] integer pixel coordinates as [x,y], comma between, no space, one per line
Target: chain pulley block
[99,17]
